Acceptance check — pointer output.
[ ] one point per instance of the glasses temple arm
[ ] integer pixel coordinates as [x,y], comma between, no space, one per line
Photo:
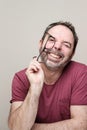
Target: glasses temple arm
[40,54]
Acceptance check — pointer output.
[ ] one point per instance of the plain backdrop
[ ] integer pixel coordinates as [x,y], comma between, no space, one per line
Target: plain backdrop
[22,23]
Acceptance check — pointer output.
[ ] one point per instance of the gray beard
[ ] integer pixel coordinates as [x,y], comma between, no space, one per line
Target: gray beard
[56,67]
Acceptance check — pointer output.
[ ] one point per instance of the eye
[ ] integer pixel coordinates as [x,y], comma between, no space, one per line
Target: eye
[51,39]
[67,44]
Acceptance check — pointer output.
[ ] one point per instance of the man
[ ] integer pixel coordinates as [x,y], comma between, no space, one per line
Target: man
[51,94]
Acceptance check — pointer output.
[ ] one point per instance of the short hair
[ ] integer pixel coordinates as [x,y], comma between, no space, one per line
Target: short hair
[66,24]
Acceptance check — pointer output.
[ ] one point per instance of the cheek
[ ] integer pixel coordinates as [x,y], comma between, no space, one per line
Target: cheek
[48,46]
[67,52]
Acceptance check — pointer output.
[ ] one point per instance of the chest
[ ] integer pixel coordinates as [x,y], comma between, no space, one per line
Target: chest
[54,103]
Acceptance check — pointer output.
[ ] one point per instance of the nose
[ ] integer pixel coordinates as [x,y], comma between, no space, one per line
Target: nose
[58,45]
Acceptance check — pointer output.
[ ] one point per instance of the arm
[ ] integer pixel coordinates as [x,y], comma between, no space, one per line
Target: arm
[22,114]
[78,121]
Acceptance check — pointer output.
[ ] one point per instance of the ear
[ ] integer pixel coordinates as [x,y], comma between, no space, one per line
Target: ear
[40,43]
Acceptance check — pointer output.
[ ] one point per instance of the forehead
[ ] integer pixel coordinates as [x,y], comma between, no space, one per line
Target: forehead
[61,31]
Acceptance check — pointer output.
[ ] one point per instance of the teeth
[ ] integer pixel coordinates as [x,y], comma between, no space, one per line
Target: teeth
[55,56]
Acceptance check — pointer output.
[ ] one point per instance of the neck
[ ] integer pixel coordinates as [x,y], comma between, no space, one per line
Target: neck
[51,76]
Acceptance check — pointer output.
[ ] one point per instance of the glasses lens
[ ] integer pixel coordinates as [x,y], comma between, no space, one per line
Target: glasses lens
[50,42]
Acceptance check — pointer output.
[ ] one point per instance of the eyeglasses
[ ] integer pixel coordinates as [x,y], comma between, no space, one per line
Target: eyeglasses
[48,45]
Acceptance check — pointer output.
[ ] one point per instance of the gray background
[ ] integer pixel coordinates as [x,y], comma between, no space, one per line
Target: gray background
[22,23]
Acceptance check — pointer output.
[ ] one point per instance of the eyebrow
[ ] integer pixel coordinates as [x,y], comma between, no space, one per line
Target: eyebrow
[51,35]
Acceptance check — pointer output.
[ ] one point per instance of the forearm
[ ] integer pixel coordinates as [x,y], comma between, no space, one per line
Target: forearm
[72,124]
[24,116]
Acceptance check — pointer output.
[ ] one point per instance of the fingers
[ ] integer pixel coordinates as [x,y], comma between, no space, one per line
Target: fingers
[34,66]
[35,72]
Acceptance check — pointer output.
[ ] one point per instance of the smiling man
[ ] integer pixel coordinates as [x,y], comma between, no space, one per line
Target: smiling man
[51,94]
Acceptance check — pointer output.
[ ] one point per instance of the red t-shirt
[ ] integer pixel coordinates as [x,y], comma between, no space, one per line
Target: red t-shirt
[55,100]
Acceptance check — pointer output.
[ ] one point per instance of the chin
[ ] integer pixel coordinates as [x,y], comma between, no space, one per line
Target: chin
[52,66]
[55,66]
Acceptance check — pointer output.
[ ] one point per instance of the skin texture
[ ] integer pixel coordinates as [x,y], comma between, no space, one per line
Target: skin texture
[22,114]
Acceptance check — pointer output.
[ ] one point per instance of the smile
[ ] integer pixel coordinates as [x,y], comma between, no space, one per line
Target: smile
[55,57]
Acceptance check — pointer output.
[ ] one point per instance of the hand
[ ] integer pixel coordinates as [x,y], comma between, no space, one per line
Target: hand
[35,75]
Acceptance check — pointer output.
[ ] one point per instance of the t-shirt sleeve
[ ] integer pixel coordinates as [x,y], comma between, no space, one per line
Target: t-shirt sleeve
[79,91]
[20,86]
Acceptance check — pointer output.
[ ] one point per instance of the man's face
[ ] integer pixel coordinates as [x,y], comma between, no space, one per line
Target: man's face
[62,50]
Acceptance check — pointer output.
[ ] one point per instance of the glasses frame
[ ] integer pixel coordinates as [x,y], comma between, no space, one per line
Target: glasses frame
[46,44]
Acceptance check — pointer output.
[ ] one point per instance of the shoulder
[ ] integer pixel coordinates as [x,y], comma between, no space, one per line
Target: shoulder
[77,64]
[20,76]
[75,71]
[21,73]
[76,67]
[79,84]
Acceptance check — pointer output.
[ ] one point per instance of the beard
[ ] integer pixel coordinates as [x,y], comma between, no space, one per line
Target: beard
[54,59]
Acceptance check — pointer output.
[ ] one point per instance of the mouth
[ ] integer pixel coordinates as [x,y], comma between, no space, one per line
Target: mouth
[56,57]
